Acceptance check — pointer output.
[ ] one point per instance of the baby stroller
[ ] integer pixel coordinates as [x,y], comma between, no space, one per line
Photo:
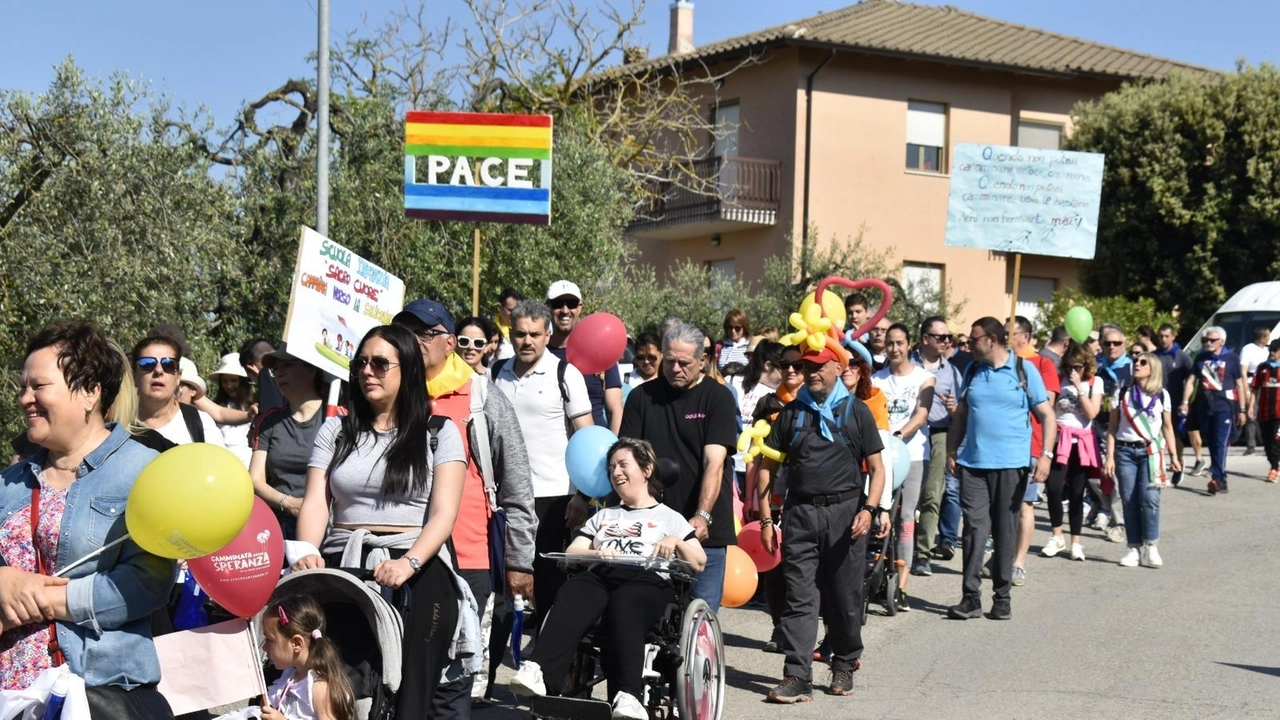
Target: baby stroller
[366,627]
[883,563]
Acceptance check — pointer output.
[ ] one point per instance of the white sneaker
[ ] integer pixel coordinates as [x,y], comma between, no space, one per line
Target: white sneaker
[1102,521]
[1130,558]
[1077,551]
[627,707]
[1151,557]
[528,680]
[1055,545]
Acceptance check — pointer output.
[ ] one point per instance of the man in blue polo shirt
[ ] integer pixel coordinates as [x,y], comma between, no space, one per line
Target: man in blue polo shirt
[992,427]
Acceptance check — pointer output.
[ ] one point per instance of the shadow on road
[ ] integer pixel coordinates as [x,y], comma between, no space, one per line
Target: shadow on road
[1272,671]
[752,682]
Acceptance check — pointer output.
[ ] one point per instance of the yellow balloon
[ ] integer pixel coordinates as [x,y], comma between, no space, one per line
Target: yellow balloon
[817,342]
[189,502]
[831,302]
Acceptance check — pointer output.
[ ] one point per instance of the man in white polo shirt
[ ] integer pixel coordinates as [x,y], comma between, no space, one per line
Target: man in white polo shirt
[550,400]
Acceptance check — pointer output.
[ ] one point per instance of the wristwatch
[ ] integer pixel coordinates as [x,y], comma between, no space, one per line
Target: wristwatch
[414,563]
[705,516]
[871,509]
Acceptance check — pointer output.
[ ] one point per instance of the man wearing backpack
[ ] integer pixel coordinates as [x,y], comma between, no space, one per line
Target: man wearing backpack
[992,430]
[550,401]
[494,536]
[824,436]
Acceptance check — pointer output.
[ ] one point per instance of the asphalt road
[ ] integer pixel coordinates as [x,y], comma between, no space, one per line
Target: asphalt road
[1195,639]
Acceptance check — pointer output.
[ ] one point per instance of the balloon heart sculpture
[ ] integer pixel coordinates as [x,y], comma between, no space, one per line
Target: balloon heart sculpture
[814,325]
[751,442]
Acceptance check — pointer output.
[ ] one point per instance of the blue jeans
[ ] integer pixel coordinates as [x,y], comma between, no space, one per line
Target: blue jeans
[1215,428]
[949,514]
[710,583]
[1141,499]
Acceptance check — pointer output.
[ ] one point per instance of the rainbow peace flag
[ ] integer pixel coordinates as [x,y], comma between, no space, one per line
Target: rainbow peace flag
[481,167]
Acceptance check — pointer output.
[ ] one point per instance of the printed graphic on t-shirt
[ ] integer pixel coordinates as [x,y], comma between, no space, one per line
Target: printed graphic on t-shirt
[636,532]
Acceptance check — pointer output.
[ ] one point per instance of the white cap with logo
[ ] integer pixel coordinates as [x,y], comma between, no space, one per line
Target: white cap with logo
[560,288]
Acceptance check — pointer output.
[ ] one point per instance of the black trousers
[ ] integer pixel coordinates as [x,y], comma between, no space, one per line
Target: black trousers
[112,702]
[428,632]
[821,561]
[990,501]
[552,536]
[1271,442]
[1067,482]
[631,602]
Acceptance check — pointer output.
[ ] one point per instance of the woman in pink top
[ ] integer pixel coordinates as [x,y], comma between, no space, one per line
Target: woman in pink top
[1077,452]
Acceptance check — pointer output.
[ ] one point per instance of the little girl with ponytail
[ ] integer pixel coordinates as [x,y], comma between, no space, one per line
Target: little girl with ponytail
[313,686]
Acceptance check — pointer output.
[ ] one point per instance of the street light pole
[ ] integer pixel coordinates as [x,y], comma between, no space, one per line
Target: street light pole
[322,113]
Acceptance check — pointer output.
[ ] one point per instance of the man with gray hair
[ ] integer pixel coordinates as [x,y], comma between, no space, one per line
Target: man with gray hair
[1116,370]
[691,419]
[550,401]
[1218,386]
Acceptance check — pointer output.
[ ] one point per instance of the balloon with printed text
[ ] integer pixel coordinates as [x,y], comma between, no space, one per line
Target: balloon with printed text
[242,574]
[190,501]
[596,343]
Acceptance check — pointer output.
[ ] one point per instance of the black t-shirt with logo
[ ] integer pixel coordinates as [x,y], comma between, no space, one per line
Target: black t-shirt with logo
[816,465]
[679,424]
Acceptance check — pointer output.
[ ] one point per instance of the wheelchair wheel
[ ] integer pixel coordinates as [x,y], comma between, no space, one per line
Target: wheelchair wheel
[700,679]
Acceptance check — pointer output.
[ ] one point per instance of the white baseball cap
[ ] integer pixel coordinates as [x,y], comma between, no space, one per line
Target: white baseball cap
[560,288]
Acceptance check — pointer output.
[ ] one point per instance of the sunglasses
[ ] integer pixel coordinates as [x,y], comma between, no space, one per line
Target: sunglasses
[148,364]
[796,366]
[1113,343]
[811,367]
[1209,339]
[378,364]
[648,358]
[1141,363]
[736,327]
[561,303]
[1135,355]
[1076,367]
[939,337]
[470,343]
[431,333]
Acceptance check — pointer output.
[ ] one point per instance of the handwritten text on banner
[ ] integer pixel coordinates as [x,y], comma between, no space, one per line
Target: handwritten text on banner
[1024,200]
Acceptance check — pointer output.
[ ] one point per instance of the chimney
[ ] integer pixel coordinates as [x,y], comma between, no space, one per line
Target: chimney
[681,28]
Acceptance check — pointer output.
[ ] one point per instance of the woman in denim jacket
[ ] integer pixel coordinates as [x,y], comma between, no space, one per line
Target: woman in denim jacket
[96,620]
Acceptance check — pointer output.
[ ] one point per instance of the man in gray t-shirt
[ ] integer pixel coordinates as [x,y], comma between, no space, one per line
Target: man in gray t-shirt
[935,347]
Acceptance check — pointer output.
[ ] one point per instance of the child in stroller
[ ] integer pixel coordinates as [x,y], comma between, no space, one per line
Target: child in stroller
[630,600]
[314,685]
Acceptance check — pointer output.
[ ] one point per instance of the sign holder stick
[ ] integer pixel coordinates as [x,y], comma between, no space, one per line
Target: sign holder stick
[1013,304]
[475,272]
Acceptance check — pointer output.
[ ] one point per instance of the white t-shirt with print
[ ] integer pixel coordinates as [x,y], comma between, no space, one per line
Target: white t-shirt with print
[634,531]
[1155,416]
[902,394]
[1067,407]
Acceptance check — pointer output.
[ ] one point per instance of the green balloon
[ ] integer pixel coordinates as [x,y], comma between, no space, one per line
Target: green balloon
[1079,323]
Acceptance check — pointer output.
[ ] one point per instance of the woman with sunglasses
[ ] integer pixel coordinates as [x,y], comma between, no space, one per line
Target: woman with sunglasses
[61,504]
[474,345]
[382,474]
[737,336]
[647,360]
[1076,454]
[156,372]
[286,437]
[1139,435]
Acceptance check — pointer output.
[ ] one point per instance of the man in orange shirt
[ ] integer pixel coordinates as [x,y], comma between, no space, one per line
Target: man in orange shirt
[498,479]
[1022,343]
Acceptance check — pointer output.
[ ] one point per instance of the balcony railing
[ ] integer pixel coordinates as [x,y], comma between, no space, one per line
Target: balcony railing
[728,189]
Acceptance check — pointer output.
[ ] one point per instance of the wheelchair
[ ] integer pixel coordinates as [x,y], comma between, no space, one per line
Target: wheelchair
[684,673]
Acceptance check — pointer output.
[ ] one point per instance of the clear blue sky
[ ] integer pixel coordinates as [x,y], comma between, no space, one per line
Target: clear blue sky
[222,53]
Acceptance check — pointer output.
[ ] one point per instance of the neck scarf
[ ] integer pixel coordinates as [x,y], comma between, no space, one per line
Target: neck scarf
[826,409]
[455,373]
[1110,368]
[503,327]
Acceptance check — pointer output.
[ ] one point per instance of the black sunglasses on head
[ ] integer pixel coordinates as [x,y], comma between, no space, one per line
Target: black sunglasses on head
[559,303]
[379,364]
[148,364]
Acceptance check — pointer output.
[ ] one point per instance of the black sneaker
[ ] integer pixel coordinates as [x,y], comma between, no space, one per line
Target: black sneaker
[1000,610]
[792,690]
[774,644]
[969,607]
[841,682]
[945,551]
[922,567]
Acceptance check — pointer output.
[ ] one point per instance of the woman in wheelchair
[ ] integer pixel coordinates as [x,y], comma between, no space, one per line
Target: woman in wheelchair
[631,600]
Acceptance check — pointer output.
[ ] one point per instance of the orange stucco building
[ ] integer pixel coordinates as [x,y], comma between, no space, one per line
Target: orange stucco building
[847,118]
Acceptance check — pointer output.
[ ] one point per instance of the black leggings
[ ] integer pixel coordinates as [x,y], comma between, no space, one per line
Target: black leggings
[631,603]
[429,624]
[1073,478]
[553,537]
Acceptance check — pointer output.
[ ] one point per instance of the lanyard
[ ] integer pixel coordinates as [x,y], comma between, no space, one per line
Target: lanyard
[55,651]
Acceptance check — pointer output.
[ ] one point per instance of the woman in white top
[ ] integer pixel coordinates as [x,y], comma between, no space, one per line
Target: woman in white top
[908,390]
[1077,450]
[737,336]
[156,372]
[1139,435]
[232,390]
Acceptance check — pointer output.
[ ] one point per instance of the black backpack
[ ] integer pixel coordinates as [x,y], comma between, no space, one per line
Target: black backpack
[191,417]
[435,424]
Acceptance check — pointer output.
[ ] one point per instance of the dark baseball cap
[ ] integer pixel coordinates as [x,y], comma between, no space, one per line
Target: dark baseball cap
[428,312]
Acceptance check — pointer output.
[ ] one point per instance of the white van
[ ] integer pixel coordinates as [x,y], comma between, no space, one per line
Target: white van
[1252,306]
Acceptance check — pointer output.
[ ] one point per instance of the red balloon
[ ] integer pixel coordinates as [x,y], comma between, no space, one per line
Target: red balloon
[740,578]
[749,541]
[242,575]
[596,343]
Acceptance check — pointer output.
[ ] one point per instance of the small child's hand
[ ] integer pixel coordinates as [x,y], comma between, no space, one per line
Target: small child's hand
[270,713]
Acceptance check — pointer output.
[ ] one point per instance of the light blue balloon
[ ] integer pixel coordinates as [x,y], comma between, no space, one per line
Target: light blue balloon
[585,458]
[901,461]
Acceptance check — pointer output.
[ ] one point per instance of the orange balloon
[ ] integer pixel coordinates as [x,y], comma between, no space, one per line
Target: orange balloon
[740,577]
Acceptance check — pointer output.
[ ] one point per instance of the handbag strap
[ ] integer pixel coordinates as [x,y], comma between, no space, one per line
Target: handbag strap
[55,651]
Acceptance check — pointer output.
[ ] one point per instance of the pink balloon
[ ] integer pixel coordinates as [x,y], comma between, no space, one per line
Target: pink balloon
[749,541]
[596,343]
[242,575]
